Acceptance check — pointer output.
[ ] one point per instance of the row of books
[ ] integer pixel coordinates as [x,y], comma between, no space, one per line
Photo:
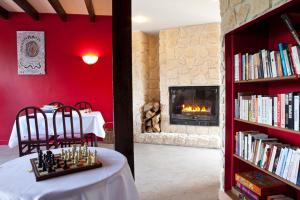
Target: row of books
[267,64]
[255,185]
[269,154]
[281,110]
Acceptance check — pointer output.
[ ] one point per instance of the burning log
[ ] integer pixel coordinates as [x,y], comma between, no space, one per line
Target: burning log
[151,117]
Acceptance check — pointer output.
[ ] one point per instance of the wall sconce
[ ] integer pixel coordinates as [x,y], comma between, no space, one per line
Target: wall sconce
[90,59]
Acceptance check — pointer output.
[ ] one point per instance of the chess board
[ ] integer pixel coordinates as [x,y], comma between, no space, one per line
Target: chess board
[82,165]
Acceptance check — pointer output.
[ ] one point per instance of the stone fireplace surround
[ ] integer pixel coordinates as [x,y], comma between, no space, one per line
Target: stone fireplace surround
[184,56]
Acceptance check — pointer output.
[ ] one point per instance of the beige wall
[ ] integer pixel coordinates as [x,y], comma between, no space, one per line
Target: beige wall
[189,56]
[234,13]
[145,74]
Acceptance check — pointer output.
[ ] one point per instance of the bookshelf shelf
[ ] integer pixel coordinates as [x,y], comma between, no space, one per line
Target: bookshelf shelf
[264,32]
[284,78]
[267,172]
[268,126]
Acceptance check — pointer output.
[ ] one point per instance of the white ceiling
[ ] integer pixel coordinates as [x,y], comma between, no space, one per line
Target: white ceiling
[101,7]
[160,14]
[163,14]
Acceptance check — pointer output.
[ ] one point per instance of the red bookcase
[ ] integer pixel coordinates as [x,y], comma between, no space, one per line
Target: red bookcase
[264,32]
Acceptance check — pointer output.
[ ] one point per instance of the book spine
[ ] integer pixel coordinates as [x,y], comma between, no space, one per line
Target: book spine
[278,64]
[275,100]
[286,114]
[287,62]
[248,184]
[293,66]
[296,112]
[240,67]
[248,192]
[282,110]
[273,63]
[281,48]
[271,164]
[279,110]
[296,55]
[291,111]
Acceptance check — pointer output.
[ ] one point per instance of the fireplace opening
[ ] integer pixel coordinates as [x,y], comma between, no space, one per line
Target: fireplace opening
[194,105]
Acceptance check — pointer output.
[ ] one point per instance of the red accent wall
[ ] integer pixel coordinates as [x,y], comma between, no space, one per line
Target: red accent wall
[68,79]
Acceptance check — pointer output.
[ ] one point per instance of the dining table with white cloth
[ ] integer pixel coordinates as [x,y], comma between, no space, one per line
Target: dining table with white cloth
[113,181]
[92,122]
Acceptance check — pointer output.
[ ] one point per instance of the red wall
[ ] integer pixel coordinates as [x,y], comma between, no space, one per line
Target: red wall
[67,78]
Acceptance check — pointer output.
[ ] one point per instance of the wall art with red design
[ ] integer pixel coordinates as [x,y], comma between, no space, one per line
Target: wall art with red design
[31,52]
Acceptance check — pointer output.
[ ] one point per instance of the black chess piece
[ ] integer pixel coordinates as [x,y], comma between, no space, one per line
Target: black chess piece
[40,159]
[65,164]
[50,169]
[44,167]
[53,159]
[57,164]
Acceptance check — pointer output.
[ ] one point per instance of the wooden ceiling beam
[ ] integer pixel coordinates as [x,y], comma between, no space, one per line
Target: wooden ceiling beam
[90,8]
[58,9]
[28,8]
[4,13]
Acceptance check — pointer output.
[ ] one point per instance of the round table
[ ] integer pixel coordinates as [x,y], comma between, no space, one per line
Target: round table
[113,181]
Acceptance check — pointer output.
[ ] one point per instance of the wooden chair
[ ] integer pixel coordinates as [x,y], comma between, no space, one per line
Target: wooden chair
[66,138]
[82,105]
[57,103]
[33,140]
[109,133]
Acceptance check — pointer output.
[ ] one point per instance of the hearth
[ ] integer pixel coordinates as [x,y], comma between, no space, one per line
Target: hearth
[194,105]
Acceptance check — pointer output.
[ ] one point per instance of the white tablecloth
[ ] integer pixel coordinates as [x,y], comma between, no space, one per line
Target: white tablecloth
[91,122]
[113,181]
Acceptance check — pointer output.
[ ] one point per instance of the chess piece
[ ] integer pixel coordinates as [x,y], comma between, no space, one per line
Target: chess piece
[40,159]
[88,160]
[57,164]
[50,169]
[62,152]
[44,167]
[65,165]
[85,149]
[73,150]
[94,157]
[53,159]
[75,161]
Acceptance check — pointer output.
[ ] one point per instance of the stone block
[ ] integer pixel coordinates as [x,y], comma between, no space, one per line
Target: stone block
[242,11]
[235,2]
[258,7]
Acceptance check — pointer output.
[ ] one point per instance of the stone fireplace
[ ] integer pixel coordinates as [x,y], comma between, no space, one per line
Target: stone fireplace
[194,105]
[188,58]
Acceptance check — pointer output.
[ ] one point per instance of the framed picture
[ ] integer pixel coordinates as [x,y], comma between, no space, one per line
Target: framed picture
[31,52]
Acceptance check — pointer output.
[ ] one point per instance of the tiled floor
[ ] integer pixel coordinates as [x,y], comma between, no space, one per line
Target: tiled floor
[168,172]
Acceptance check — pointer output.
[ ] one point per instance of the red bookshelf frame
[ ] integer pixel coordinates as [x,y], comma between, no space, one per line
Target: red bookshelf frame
[264,32]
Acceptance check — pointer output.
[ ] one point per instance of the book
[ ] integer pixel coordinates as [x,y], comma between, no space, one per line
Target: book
[295,52]
[260,183]
[273,63]
[247,191]
[290,111]
[296,111]
[282,47]
[278,64]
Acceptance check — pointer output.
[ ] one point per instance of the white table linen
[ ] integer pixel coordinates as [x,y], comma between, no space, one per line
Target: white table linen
[113,181]
[91,123]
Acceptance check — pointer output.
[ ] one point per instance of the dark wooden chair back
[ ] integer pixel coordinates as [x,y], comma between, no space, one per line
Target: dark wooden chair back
[32,139]
[67,137]
[83,105]
[57,103]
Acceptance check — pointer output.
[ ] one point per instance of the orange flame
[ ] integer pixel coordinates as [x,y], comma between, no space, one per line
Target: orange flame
[193,108]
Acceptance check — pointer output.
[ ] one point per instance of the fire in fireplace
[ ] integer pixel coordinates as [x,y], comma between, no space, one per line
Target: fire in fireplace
[194,105]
